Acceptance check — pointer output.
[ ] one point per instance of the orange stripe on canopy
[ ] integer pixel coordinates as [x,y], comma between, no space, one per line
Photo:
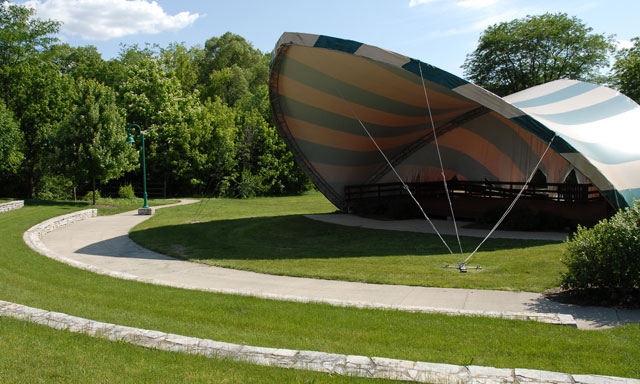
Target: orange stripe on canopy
[331,138]
[482,151]
[372,77]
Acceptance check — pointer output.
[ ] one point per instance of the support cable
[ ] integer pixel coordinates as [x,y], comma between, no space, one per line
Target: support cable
[444,178]
[513,203]
[404,185]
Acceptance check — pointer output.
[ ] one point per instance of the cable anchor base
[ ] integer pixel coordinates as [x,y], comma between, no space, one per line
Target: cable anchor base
[463,267]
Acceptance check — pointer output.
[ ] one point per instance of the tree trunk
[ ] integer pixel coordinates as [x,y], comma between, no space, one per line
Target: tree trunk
[32,186]
[75,197]
[164,189]
[94,191]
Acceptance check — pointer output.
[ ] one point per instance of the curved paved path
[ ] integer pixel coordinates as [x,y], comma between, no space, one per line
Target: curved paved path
[103,243]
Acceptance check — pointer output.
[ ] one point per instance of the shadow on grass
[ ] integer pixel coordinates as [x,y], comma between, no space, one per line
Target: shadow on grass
[297,237]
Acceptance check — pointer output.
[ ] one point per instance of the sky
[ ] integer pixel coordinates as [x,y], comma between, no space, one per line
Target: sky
[438,32]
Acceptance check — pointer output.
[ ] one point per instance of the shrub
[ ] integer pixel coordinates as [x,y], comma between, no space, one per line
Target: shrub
[54,187]
[605,260]
[249,185]
[126,192]
[89,196]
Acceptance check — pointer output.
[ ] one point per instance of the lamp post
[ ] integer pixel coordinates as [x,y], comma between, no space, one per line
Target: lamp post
[131,129]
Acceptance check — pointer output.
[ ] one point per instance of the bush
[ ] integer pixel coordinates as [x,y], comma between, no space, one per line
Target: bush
[126,192]
[89,196]
[605,260]
[54,187]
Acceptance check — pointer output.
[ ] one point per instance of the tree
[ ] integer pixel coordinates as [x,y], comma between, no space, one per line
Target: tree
[183,63]
[154,99]
[91,142]
[39,101]
[31,87]
[516,55]
[22,37]
[231,63]
[215,159]
[626,71]
[78,62]
[11,143]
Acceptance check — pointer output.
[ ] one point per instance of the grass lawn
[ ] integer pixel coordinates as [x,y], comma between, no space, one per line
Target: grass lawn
[31,279]
[5,200]
[108,206]
[270,235]
[37,354]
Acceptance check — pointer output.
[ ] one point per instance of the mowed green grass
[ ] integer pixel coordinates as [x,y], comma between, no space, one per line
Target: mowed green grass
[271,235]
[31,279]
[37,354]
[109,206]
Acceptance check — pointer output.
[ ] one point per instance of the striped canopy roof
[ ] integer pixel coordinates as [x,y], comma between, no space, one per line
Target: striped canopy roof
[326,93]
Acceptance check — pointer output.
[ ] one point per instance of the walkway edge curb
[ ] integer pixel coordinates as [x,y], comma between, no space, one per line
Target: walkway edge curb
[32,237]
[352,365]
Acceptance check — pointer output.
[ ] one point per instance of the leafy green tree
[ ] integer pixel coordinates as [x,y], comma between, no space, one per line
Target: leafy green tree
[516,55]
[231,68]
[11,143]
[215,154]
[22,37]
[154,99]
[264,164]
[183,63]
[32,87]
[230,83]
[40,101]
[79,62]
[91,141]
[626,71]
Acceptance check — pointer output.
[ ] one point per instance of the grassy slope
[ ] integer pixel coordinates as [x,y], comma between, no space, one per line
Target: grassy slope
[37,354]
[31,279]
[270,235]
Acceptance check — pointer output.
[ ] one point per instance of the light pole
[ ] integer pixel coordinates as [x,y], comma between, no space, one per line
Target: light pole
[131,129]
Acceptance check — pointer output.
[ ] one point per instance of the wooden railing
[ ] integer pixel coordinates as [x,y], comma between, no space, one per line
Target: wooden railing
[487,189]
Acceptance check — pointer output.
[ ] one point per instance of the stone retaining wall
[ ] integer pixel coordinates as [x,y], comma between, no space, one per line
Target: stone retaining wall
[353,365]
[4,207]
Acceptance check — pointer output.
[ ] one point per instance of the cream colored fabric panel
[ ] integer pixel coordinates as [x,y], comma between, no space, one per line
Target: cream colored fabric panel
[623,176]
[488,99]
[382,55]
[588,170]
[620,132]
[598,95]
[540,90]
[304,39]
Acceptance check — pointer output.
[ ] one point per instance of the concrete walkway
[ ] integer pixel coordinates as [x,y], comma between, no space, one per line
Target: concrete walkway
[103,243]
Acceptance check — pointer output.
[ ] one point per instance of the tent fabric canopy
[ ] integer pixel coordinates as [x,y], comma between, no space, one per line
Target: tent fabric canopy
[322,88]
